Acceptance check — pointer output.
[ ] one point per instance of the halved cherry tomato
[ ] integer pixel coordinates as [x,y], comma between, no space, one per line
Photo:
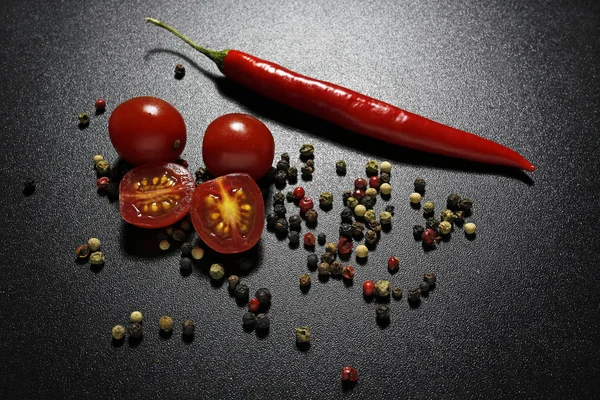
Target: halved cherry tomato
[228,213]
[156,195]
[147,129]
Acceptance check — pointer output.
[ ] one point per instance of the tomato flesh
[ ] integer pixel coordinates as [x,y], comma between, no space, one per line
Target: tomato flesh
[228,213]
[156,195]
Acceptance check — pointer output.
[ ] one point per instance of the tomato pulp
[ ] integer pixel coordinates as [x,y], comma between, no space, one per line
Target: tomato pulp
[156,195]
[228,213]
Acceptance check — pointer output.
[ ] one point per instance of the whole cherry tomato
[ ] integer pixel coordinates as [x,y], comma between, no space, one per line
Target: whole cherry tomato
[147,129]
[156,195]
[228,213]
[238,143]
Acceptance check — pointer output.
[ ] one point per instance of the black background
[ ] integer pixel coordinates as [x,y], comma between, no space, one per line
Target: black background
[515,312]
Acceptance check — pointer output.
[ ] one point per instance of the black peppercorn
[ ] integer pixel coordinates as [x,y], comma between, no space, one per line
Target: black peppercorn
[135,330]
[281,226]
[202,175]
[383,312]
[418,231]
[311,217]
[323,269]
[459,218]
[384,177]
[331,248]
[357,228]
[281,177]
[321,238]
[188,328]
[295,222]
[307,151]
[242,292]
[305,281]
[28,187]
[430,278]
[397,293]
[264,297]
[262,322]
[310,163]
[340,167]
[345,196]
[466,205]
[453,201]
[294,238]
[179,71]
[414,295]
[335,268]
[432,223]
[272,173]
[424,288]
[279,210]
[271,221]
[249,320]
[292,174]
[312,261]
[289,196]
[346,215]
[306,171]
[285,156]
[327,257]
[185,265]
[419,185]
[368,202]
[346,230]
[278,198]
[186,250]
[374,225]
[283,165]
[390,209]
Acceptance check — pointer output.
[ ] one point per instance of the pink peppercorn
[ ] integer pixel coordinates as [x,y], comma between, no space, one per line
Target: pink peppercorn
[428,236]
[393,263]
[100,104]
[349,374]
[305,204]
[360,183]
[374,182]
[103,183]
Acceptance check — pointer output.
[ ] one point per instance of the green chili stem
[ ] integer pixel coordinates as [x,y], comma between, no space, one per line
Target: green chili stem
[215,56]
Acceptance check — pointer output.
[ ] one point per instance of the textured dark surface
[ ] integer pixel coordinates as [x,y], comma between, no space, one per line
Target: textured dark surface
[516,310]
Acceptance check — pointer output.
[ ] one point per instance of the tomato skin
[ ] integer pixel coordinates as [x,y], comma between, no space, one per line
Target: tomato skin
[228,213]
[238,143]
[147,129]
[171,199]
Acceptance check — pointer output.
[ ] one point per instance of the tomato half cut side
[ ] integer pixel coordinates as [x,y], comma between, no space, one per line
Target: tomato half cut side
[228,213]
[156,195]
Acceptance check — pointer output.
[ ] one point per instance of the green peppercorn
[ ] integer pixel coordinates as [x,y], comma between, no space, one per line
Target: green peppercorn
[310,163]
[429,207]
[385,218]
[331,248]
[382,288]
[335,268]
[414,295]
[188,328]
[97,158]
[292,174]
[311,217]
[357,228]
[370,216]
[326,199]
[217,272]
[445,227]
[466,205]
[102,167]
[307,151]
[371,237]
[302,335]
[278,198]
[430,278]
[385,189]
[384,177]
[362,251]
[84,119]
[469,228]
[327,257]
[452,202]
[372,168]
[285,156]
[135,330]
[397,293]
[432,223]
[323,269]
[118,332]
[340,167]
[420,185]
[447,215]
[233,281]
[352,202]
[97,258]
[305,280]
[382,312]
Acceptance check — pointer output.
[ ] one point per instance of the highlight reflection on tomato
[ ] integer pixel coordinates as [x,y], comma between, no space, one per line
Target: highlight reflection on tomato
[228,213]
[156,195]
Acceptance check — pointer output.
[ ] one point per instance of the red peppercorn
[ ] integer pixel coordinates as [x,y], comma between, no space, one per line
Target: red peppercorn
[344,247]
[393,263]
[360,183]
[253,305]
[298,193]
[428,236]
[306,204]
[309,239]
[358,194]
[368,288]
[103,183]
[349,374]
[348,272]
[100,104]
[374,182]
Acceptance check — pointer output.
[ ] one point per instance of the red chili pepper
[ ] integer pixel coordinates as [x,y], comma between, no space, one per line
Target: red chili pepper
[354,111]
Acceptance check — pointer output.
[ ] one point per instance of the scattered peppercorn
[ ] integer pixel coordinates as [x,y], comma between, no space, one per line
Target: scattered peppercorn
[331,248]
[169,230]
[345,247]
[389,208]
[445,227]
[358,194]
[383,312]
[393,263]
[306,172]
[384,177]
[368,288]
[179,71]
[103,183]
[348,272]
[466,205]
[432,223]
[281,226]
[289,196]
[310,163]
[323,269]
[118,332]
[186,250]
[385,218]
[278,197]
[312,261]
[357,228]
[374,226]
[84,119]
[447,215]
[302,335]
[397,293]
[385,167]
[414,295]
[103,167]
[281,177]
[271,175]
[285,156]
[135,330]
[362,251]
[428,236]
[371,236]
[249,320]
[271,221]
[382,288]
[217,272]
[179,235]
[360,210]
[97,258]
[262,322]
[360,183]
[311,217]
[305,204]
[470,228]
[305,280]
[430,278]
[185,265]
[346,230]
[100,105]
[420,185]
[424,288]
[385,189]
[352,202]
[369,201]
[283,165]
[307,151]
[188,328]
[459,218]
[453,201]
[340,167]
[94,244]
[370,216]
[322,238]
[374,183]
[428,207]
[253,305]
[279,210]
[336,268]
[327,257]
[83,251]
[294,238]
[345,196]
[165,323]
[197,253]
[349,374]
[309,239]
[164,245]
[326,200]
[264,296]
[233,281]
[295,222]
[98,157]
[242,292]
[372,168]
[415,198]
[418,231]
[136,316]
[299,193]
[28,187]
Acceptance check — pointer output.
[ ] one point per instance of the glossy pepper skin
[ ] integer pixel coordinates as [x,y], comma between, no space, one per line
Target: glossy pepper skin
[355,111]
